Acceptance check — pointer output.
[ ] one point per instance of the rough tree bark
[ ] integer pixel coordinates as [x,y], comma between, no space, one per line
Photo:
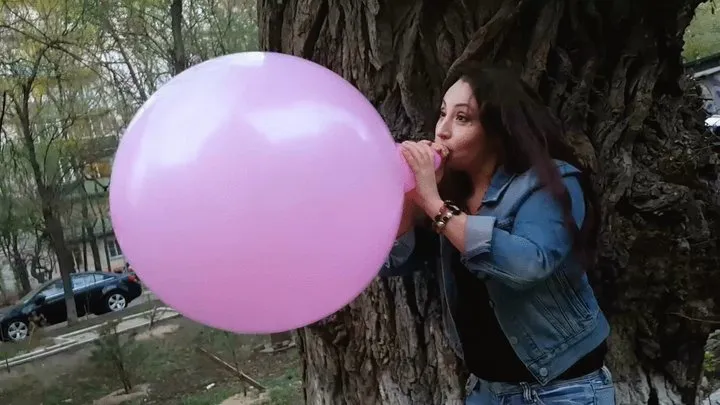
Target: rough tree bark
[179,61]
[612,72]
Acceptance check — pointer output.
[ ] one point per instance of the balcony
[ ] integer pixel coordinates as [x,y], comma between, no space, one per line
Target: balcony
[101,228]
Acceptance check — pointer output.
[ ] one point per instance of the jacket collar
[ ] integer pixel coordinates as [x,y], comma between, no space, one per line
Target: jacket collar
[502,179]
[499,183]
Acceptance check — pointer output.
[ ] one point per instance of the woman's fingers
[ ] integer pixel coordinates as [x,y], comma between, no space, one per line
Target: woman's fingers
[410,154]
[440,149]
[417,155]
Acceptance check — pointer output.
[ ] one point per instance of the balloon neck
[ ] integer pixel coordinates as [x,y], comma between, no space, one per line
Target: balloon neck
[438,160]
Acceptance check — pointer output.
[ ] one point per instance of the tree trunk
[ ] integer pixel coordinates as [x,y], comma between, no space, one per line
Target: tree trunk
[105,243]
[48,200]
[9,246]
[19,266]
[612,72]
[90,238]
[95,251]
[178,53]
[83,253]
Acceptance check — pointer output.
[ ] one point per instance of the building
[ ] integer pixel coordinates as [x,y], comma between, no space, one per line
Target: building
[707,73]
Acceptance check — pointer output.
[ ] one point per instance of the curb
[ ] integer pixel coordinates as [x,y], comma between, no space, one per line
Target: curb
[70,343]
[158,310]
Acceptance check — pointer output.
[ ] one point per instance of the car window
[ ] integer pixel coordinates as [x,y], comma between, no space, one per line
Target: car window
[82,280]
[102,277]
[52,290]
[32,294]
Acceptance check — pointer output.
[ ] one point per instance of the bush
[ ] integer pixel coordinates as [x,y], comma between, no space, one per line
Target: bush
[118,356]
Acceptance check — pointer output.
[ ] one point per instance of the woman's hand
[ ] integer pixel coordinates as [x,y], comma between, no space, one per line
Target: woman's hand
[420,156]
[444,154]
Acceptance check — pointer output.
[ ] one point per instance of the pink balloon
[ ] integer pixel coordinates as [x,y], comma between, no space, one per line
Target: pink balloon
[256,192]
[407,173]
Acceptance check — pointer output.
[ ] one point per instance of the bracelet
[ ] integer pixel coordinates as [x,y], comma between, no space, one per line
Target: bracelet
[447,211]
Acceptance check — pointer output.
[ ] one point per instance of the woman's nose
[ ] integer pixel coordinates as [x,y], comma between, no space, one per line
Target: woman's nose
[443,134]
[443,130]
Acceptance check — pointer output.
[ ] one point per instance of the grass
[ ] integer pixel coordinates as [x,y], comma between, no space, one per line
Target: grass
[42,336]
[210,397]
[177,373]
[12,349]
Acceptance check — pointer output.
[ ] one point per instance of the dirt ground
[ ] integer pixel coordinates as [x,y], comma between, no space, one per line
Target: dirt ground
[165,358]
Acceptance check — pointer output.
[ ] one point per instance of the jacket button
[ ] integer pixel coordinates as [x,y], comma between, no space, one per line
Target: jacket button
[543,372]
[513,340]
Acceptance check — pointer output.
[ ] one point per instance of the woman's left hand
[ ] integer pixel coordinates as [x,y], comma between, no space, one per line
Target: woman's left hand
[421,159]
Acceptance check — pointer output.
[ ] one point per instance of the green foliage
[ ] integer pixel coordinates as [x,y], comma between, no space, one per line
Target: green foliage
[702,37]
[118,356]
[211,397]
[75,72]
[286,390]
[710,363]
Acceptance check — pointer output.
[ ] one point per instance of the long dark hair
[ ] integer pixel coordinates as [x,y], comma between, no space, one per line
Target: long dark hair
[529,136]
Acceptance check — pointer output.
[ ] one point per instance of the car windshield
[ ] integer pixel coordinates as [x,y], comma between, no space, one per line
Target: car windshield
[25,299]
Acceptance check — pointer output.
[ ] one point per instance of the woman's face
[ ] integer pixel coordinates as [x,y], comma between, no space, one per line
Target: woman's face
[459,128]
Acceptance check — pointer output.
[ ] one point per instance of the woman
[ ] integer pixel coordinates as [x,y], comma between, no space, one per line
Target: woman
[512,229]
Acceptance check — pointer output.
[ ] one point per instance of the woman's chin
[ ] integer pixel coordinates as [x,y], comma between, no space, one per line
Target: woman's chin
[455,166]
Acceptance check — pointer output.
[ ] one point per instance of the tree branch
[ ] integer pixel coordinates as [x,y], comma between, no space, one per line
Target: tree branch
[2,112]
[54,44]
[690,318]
[488,33]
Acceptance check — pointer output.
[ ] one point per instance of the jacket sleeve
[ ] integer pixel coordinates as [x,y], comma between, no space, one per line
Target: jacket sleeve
[537,244]
[407,255]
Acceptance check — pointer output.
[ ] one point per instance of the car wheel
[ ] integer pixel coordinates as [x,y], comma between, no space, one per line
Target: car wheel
[116,301]
[17,330]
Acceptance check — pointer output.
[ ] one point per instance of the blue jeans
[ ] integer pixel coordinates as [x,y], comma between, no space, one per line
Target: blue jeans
[592,389]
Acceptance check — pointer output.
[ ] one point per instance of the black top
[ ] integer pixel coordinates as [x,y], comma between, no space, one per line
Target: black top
[488,353]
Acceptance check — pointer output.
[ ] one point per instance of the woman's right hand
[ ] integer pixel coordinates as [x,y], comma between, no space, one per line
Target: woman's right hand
[412,214]
[444,153]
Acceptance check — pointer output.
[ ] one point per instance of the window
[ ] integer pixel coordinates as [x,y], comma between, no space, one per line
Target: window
[102,277]
[78,256]
[82,280]
[52,290]
[67,170]
[99,169]
[113,248]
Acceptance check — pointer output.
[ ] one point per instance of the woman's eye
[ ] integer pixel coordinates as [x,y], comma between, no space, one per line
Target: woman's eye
[462,118]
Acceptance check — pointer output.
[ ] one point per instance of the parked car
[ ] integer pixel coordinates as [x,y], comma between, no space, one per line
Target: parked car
[713,122]
[95,292]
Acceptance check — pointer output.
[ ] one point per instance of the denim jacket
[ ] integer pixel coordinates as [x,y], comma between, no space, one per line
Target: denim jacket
[519,245]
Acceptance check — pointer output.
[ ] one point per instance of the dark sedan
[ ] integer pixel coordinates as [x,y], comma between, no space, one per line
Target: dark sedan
[95,292]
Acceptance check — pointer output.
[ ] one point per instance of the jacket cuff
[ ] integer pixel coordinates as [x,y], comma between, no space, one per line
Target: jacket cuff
[402,248]
[478,234]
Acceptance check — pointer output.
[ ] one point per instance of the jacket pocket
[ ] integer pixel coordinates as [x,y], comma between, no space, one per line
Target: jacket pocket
[575,297]
[561,306]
